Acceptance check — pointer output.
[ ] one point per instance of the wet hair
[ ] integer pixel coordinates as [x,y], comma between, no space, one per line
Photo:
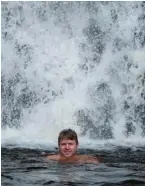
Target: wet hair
[67,134]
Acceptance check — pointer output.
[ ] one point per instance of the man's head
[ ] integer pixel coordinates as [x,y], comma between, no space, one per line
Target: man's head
[67,142]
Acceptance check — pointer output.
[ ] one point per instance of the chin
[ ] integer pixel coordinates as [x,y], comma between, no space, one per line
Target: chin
[68,155]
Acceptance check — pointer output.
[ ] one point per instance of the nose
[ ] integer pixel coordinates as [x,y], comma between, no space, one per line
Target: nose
[67,146]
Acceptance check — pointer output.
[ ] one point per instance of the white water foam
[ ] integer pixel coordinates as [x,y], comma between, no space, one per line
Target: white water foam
[55,70]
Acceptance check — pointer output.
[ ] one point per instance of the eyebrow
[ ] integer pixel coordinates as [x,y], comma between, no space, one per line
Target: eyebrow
[66,142]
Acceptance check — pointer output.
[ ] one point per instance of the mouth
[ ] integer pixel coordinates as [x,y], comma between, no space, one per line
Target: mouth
[67,152]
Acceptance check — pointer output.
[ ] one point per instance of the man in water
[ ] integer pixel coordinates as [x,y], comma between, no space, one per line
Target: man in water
[68,144]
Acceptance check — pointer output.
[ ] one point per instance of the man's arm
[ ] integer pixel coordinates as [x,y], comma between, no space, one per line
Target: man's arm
[53,157]
[90,159]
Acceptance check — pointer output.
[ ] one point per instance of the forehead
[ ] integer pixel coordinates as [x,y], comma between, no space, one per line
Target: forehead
[66,140]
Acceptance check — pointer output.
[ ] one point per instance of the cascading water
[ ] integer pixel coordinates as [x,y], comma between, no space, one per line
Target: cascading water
[77,65]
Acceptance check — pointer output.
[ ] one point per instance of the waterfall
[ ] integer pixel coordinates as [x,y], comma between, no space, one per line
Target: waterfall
[78,65]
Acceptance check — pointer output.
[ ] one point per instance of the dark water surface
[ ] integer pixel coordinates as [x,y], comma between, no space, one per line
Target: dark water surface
[121,166]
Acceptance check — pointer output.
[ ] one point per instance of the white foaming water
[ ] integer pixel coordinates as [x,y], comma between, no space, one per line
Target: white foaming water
[53,48]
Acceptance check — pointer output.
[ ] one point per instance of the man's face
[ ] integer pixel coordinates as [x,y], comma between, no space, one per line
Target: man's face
[67,147]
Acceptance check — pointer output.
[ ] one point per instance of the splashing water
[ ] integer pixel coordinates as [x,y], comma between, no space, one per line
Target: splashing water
[77,65]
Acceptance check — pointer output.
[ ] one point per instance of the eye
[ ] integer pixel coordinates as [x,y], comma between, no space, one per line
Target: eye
[70,143]
[62,144]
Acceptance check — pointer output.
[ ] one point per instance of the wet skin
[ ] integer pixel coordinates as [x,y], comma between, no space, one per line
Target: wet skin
[67,153]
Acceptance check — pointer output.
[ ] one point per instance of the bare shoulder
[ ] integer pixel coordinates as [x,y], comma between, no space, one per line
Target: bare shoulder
[53,157]
[89,159]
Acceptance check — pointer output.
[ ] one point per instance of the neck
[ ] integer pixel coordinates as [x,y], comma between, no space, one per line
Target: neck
[62,157]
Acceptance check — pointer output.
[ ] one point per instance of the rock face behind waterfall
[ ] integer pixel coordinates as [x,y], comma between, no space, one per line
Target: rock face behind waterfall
[74,64]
